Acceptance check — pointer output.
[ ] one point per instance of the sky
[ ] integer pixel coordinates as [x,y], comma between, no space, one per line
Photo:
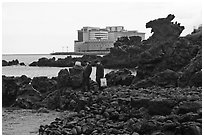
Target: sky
[44,27]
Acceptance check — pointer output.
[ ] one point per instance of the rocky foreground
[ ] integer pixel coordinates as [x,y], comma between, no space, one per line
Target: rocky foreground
[121,108]
[125,110]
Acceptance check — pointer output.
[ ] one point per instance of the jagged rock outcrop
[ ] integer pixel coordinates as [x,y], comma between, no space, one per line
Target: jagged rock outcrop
[165,32]
[164,29]
[163,51]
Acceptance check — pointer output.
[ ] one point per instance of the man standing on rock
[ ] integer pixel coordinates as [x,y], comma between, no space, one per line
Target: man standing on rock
[86,76]
[99,73]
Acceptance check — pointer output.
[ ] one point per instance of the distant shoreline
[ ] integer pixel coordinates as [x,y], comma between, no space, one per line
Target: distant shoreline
[24,54]
[59,53]
[78,53]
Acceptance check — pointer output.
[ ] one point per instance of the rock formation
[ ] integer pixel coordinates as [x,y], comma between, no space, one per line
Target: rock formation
[163,52]
[64,62]
[164,29]
[13,62]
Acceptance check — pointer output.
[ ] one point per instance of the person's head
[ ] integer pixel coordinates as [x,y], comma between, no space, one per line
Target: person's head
[86,62]
[77,63]
[98,62]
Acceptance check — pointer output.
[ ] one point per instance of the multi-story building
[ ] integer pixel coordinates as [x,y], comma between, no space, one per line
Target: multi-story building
[94,39]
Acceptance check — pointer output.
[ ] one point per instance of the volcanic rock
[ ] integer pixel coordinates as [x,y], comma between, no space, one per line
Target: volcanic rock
[121,77]
[63,79]
[123,111]
[192,74]
[163,28]
[28,98]
[9,90]
[167,78]
[10,63]
[44,84]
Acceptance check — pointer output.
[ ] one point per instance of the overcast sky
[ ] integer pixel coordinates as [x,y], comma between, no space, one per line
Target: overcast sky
[47,27]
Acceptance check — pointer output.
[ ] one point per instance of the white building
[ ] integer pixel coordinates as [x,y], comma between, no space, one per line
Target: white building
[94,39]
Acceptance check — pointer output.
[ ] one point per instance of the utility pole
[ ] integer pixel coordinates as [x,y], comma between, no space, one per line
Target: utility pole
[62,49]
[67,48]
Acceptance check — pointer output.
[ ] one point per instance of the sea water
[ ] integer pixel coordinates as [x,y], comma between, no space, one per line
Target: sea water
[31,71]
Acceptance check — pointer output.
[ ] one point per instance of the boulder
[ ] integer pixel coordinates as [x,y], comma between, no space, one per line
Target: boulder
[44,84]
[120,77]
[63,79]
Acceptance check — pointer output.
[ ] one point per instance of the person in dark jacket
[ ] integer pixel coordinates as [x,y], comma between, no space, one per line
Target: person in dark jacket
[99,73]
[86,76]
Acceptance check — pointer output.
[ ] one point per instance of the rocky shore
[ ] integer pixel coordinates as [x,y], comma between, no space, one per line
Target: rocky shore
[129,111]
[164,98]
[121,108]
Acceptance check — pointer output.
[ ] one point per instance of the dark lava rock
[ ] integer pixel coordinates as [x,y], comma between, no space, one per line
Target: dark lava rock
[28,98]
[124,110]
[22,64]
[186,107]
[189,128]
[161,106]
[178,58]
[140,102]
[9,90]
[167,78]
[44,84]
[63,79]
[22,81]
[163,28]
[192,74]
[10,63]
[64,62]
[4,63]
[120,77]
